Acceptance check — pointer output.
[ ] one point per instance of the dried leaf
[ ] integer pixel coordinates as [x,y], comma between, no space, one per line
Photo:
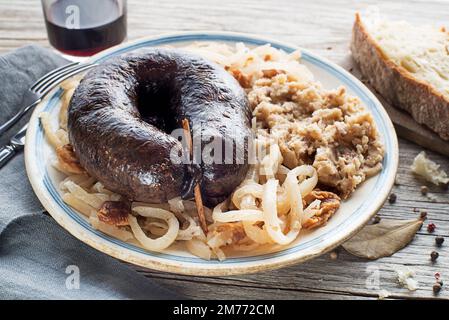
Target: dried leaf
[382,239]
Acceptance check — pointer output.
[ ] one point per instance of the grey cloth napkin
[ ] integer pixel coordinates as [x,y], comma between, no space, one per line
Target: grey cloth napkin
[38,258]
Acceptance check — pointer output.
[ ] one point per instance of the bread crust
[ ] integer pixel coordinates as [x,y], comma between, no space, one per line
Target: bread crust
[425,103]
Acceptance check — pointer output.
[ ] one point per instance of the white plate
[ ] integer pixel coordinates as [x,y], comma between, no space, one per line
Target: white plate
[352,215]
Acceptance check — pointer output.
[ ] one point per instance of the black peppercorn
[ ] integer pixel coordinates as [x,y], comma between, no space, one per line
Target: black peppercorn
[392,198]
[434,255]
[439,241]
[376,219]
[436,288]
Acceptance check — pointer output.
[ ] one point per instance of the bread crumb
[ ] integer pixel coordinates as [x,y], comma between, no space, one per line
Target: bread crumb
[424,190]
[405,278]
[429,170]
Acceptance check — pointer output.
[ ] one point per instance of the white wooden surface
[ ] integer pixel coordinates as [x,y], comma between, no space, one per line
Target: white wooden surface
[323,26]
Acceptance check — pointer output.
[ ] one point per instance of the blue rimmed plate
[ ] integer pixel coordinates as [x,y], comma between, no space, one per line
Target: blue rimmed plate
[352,215]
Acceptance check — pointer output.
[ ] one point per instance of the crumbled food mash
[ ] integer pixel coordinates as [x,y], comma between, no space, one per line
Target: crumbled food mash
[429,170]
[328,129]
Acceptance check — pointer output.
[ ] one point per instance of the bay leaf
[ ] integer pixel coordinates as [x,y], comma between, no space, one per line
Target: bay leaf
[382,239]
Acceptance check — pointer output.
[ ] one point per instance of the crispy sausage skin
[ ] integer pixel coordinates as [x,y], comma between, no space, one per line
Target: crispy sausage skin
[122,113]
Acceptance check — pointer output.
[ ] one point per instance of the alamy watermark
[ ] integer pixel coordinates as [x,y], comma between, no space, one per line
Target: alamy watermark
[214,147]
[73,17]
[372,281]
[72,282]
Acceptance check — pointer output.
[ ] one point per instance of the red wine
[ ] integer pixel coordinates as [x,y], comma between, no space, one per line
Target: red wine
[85,27]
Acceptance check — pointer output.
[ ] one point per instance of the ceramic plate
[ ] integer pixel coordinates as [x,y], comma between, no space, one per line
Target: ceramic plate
[352,215]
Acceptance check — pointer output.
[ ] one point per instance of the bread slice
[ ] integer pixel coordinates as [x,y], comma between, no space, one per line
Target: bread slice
[407,65]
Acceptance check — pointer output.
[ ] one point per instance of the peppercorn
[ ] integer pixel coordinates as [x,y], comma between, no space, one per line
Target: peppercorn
[439,241]
[431,227]
[434,255]
[376,219]
[392,198]
[424,190]
[423,215]
[436,288]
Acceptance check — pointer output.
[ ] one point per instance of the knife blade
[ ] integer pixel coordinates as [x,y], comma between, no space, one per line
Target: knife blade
[15,145]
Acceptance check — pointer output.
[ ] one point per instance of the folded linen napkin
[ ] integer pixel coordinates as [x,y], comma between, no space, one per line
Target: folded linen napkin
[38,258]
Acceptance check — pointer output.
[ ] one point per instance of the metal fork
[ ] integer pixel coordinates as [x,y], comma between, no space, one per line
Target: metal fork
[43,86]
[15,145]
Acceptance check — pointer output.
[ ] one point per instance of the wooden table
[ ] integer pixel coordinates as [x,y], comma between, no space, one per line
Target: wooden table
[324,27]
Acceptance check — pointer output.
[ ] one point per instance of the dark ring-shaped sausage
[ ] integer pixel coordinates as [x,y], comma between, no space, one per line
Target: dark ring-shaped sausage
[122,112]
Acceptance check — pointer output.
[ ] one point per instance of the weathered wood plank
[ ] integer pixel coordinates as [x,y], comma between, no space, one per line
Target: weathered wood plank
[214,290]
[323,27]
